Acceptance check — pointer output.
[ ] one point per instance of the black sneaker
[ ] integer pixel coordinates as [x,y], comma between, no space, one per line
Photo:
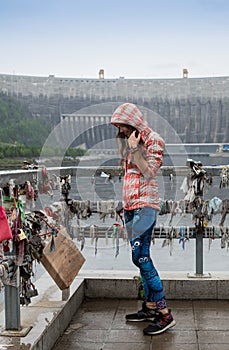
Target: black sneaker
[161,324]
[145,314]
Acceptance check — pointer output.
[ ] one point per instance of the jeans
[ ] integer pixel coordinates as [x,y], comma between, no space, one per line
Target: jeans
[139,226]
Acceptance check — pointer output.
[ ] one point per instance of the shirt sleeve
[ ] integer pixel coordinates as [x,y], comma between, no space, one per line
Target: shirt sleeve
[154,156]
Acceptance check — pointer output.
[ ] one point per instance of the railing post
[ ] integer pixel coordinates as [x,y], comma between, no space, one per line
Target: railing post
[195,192]
[12,306]
[199,250]
[199,253]
[12,298]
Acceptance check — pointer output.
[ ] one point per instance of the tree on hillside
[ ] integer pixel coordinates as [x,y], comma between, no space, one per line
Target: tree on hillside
[18,125]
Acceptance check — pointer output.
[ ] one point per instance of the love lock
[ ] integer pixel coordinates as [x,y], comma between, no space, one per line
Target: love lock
[22,300]
[31,291]
[21,235]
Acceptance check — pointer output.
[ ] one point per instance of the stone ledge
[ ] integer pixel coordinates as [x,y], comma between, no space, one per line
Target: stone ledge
[177,285]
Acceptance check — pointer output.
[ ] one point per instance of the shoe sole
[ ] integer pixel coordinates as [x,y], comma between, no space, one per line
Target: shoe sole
[142,320]
[170,325]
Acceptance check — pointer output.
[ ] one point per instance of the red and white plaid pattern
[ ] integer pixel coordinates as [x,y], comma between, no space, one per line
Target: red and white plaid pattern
[139,189]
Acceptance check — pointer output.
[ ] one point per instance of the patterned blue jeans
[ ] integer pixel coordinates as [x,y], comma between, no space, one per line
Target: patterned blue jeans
[139,225]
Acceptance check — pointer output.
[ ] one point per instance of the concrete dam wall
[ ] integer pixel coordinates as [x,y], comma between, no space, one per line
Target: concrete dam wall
[195,110]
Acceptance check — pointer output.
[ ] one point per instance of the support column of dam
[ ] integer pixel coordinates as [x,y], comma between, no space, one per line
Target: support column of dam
[87,130]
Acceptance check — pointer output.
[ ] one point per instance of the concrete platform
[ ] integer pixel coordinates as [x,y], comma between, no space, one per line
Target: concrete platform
[100,325]
[91,314]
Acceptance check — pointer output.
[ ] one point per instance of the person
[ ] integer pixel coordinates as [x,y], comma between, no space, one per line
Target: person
[45,182]
[142,152]
[224,177]
[195,182]
[65,186]
[171,180]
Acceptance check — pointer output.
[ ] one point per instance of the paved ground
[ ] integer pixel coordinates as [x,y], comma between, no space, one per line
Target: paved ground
[101,325]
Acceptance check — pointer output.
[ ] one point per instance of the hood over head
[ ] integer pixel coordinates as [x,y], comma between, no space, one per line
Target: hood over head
[129,114]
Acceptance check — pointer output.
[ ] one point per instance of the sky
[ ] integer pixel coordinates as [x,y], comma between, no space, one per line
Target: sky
[127,38]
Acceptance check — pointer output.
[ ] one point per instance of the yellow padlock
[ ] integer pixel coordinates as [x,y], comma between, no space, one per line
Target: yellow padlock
[21,235]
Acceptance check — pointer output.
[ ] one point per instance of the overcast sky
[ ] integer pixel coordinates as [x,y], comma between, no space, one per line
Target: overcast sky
[129,38]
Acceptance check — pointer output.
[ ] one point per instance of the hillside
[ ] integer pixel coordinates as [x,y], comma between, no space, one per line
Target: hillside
[18,126]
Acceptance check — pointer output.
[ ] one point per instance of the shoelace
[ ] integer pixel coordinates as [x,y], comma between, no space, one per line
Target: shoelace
[147,312]
[163,319]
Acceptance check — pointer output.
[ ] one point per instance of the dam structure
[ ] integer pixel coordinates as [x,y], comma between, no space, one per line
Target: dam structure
[182,110]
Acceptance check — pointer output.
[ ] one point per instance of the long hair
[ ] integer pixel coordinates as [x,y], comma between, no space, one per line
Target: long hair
[121,139]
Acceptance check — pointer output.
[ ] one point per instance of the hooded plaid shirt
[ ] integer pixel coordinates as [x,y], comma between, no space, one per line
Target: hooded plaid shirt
[140,190]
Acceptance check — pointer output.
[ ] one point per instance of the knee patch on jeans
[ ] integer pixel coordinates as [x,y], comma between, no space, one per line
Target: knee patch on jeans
[143,260]
[144,263]
[140,261]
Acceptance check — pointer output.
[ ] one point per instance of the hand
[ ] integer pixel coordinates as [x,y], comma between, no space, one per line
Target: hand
[133,141]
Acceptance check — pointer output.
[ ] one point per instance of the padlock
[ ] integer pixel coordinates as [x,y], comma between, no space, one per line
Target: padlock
[31,291]
[21,235]
[22,300]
